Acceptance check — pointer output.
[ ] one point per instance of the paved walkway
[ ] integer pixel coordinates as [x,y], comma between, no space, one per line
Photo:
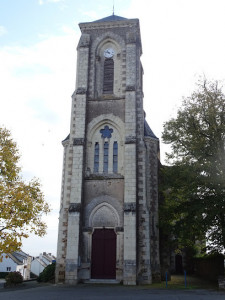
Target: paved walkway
[35,291]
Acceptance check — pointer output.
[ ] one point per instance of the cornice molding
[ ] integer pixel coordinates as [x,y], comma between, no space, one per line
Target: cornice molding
[107,25]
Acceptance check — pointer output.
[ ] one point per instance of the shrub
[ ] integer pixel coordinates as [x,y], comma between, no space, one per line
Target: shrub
[48,274]
[3,274]
[14,278]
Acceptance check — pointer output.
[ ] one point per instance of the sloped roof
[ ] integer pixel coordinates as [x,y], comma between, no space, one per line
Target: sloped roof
[18,257]
[49,256]
[67,138]
[42,258]
[148,131]
[40,262]
[111,18]
[18,262]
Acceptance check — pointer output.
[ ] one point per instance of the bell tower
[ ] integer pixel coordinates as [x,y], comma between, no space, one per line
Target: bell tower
[109,201]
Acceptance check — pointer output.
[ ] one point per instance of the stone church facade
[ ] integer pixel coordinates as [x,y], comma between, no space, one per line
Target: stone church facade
[109,202]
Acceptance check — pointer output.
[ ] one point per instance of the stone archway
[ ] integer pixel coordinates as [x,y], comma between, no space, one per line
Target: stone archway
[103,219]
[104,215]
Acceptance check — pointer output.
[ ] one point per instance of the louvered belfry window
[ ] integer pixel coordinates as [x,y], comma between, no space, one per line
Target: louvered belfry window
[108,76]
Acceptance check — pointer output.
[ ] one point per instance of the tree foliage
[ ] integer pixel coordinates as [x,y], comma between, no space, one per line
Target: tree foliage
[21,204]
[194,182]
[48,274]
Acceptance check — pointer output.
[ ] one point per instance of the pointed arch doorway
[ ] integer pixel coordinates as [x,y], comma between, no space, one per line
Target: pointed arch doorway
[103,256]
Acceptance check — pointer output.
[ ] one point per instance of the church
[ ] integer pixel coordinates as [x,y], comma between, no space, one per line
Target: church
[108,220]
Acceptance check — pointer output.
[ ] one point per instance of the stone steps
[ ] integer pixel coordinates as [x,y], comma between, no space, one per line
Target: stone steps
[101,281]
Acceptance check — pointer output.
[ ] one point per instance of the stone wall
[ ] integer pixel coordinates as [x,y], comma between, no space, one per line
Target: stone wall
[152,192]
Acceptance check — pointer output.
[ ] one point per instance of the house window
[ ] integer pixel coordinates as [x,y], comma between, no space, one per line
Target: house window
[8,269]
[96,158]
[106,157]
[115,157]
[108,76]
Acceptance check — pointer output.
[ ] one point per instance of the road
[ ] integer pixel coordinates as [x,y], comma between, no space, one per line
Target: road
[35,291]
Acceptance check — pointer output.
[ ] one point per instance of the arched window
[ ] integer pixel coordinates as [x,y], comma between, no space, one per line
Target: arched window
[108,78]
[96,158]
[115,157]
[106,157]
[104,150]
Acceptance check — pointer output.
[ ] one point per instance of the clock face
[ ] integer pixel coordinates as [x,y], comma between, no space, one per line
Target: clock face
[109,52]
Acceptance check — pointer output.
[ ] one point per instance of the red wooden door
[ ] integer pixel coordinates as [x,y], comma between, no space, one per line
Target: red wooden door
[103,261]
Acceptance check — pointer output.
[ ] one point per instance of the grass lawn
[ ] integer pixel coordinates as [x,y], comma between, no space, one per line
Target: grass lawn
[178,282]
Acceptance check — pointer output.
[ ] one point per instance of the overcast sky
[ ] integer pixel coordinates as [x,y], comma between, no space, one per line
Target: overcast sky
[181,40]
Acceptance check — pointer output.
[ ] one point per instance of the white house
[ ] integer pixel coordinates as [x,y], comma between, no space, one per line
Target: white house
[39,263]
[16,261]
[7,264]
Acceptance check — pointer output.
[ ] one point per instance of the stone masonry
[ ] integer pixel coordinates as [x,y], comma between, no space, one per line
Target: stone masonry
[110,165]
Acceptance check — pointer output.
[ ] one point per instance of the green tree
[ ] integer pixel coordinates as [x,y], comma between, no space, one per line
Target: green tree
[21,204]
[48,274]
[194,181]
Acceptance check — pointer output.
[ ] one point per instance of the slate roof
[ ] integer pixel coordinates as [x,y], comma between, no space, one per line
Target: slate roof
[148,131]
[111,18]
[18,257]
[67,138]
[41,262]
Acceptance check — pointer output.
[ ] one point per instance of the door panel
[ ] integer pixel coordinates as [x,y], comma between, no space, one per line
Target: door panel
[103,254]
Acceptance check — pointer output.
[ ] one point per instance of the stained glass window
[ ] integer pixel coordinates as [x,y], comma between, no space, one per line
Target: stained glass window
[115,157]
[96,158]
[106,157]
[106,132]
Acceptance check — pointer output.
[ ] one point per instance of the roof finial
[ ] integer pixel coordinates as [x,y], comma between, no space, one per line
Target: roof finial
[113,7]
